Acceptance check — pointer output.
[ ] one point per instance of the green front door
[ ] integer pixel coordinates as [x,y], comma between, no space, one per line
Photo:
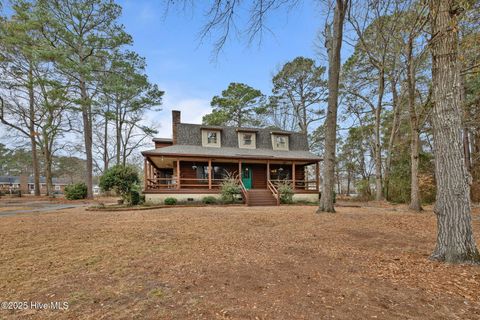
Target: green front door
[247,177]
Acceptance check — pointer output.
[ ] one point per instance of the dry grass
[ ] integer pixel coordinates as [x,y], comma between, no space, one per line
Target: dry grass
[238,263]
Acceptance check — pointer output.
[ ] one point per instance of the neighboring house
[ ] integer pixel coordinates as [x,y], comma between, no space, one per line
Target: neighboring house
[26,184]
[194,163]
[8,183]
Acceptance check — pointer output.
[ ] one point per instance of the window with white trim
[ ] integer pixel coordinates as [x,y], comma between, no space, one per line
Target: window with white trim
[279,142]
[211,138]
[247,140]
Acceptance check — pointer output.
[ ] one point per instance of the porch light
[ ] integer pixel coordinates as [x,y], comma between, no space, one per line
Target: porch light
[194,167]
[280,169]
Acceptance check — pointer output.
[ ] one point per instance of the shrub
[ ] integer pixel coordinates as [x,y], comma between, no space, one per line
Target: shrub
[134,198]
[76,191]
[363,188]
[170,201]
[286,192]
[229,190]
[209,200]
[121,179]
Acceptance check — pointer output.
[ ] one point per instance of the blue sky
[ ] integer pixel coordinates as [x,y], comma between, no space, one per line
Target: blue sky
[183,67]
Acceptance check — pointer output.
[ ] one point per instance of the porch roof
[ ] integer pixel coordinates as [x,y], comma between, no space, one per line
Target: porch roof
[226,152]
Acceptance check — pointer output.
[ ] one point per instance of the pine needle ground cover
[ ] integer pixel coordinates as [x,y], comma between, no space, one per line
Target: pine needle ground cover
[234,263]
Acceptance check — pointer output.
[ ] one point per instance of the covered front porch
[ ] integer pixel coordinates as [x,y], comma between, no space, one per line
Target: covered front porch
[205,174]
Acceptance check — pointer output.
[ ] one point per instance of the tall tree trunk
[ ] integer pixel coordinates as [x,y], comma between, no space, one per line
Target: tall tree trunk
[48,165]
[304,120]
[87,135]
[348,182]
[334,45]
[239,118]
[33,141]
[415,202]
[475,165]
[118,131]
[378,142]
[363,171]
[393,134]
[466,142]
[105,143]
[466,149]
[455,241]
[339,187]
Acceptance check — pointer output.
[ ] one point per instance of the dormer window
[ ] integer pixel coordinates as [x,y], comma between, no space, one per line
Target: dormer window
[211,138]
[247,140]
[280,142]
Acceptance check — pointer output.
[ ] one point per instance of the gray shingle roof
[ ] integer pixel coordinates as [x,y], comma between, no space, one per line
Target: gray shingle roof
[228,152]
[10,179]
[16,180]
[190,134]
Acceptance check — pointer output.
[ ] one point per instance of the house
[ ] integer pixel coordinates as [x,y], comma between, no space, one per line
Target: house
[8,183]
[198,158]
[96,189]
[26,184]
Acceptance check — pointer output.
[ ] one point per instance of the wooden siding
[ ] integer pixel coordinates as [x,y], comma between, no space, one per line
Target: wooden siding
[299,172]
[259,176]
[190,180]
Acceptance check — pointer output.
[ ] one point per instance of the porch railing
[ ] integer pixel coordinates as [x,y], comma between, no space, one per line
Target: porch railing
[297,184]
[274,191]
[172,183]
[244,190]
[193,183]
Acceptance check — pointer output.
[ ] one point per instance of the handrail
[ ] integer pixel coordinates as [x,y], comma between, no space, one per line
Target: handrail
[304,184]
[193,179]
[244,191]
[274,191]
[168,183]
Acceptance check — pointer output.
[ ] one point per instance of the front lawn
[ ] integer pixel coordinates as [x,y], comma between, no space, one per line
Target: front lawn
[233,263]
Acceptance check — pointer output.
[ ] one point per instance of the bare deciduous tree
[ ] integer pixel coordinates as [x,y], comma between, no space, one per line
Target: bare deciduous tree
[333,43]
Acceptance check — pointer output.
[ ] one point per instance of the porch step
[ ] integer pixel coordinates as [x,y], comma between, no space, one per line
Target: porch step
[261,197]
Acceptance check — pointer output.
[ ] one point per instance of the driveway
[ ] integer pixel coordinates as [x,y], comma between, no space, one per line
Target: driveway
[9,207]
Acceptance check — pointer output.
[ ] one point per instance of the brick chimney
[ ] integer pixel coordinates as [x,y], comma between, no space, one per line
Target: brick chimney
[176,119]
